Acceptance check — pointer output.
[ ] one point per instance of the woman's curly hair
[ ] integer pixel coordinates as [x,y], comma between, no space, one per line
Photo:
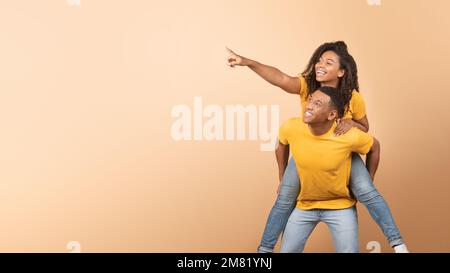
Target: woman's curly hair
[347,83]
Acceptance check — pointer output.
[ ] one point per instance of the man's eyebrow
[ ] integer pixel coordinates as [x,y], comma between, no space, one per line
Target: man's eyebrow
[317,99]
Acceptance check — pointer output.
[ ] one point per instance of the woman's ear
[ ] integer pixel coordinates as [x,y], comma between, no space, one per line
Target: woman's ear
[341,73]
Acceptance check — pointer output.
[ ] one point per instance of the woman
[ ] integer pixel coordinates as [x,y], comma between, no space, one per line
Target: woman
[330,65]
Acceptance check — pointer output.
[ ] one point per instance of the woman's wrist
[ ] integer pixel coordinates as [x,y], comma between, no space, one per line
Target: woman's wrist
[248,62]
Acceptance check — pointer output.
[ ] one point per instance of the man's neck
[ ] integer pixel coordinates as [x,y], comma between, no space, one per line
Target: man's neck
[319,129]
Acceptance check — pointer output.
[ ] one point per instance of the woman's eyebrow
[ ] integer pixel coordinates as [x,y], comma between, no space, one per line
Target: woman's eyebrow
[331,60]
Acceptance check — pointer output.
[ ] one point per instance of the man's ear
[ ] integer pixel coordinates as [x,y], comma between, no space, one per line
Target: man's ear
[333,115]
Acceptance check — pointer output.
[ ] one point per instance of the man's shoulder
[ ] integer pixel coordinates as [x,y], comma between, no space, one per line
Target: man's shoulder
[354,134]
[356,137]
[292,127]
[292,122]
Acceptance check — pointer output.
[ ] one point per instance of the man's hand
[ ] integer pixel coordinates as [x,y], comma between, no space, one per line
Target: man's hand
[343,126]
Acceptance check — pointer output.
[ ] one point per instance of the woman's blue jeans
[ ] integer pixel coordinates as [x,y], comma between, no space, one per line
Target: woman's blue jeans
[362,188]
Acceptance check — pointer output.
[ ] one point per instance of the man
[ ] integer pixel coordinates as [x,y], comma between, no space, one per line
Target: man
[323,162]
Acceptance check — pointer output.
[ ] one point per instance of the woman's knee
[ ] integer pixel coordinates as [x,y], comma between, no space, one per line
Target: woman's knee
[360,181]
[290,176]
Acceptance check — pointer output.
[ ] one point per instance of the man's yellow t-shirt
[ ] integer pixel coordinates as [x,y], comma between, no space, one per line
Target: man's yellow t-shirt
[323,163]
[356,109]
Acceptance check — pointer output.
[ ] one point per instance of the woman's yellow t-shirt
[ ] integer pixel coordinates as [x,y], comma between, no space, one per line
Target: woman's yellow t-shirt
[357,107]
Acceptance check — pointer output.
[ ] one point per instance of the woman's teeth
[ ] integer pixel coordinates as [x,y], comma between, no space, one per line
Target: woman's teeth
[321,73]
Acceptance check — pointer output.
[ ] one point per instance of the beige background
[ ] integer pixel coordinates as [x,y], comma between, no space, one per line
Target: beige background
[85,98]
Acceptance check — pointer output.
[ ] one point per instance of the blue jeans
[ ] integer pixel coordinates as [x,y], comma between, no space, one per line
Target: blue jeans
[343,224]
[362,188]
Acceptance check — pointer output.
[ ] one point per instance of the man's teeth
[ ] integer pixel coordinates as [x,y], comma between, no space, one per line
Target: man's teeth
[308,114]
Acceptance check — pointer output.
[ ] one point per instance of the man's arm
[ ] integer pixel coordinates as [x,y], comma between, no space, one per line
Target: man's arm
[373,158]
[282,155]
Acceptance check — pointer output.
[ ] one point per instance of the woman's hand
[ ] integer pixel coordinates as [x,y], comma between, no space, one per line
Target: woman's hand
[344,125]
[269,73]
[234,59]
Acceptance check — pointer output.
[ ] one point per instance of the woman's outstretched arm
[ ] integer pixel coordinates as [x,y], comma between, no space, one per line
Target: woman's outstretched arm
[269,73]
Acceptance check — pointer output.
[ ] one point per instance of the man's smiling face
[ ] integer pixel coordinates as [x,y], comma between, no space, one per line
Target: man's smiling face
[318,108]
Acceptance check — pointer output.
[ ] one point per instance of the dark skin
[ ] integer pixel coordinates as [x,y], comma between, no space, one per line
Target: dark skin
[282,159]
[320,115]
[328,73]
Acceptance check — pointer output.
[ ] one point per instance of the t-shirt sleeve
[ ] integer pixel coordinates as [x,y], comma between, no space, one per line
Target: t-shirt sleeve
[357,107]
[361,142]
[303,87]
[283,134]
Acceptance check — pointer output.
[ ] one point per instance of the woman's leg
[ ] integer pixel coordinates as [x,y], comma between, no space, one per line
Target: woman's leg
[343,224]
[300,225]
[285,203]
[365,192]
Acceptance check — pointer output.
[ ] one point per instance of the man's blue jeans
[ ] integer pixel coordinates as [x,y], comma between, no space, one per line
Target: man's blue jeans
[362,188]
[343,224]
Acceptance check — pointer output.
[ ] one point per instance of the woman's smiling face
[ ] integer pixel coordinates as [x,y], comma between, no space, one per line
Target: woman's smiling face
[328,69]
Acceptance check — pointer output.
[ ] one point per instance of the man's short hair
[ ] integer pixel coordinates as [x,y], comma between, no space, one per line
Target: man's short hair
[336,99]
